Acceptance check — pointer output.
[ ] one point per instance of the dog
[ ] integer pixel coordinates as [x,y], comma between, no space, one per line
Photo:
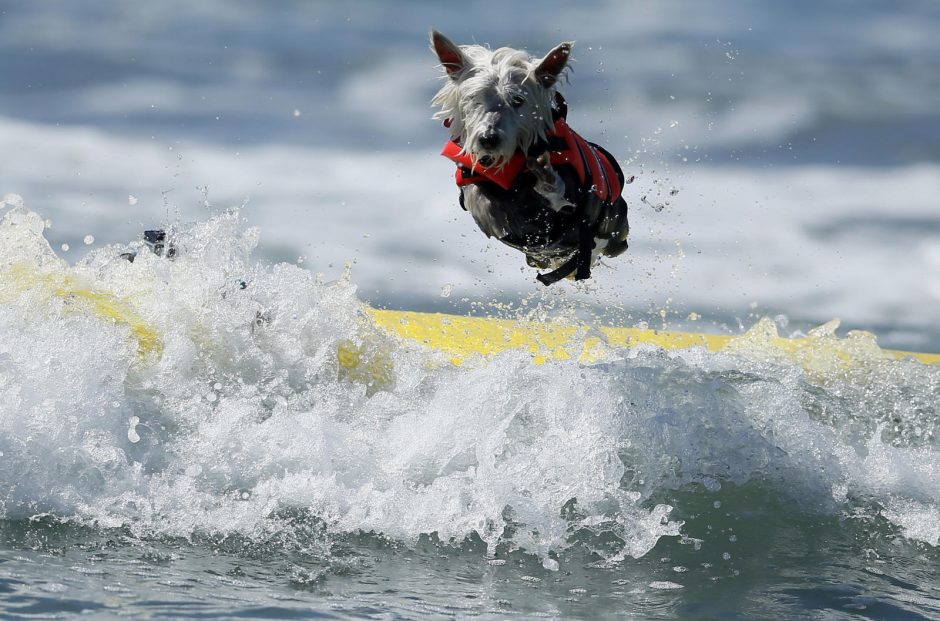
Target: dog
[524,175]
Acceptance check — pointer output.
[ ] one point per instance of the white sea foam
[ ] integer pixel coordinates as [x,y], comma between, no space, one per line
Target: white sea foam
[245,417]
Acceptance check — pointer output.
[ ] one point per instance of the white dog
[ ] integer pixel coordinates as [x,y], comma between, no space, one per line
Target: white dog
[526,177]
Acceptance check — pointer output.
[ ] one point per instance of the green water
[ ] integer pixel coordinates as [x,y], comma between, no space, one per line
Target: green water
[752,557]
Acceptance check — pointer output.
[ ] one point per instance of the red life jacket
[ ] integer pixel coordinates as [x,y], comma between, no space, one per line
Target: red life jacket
[596,169]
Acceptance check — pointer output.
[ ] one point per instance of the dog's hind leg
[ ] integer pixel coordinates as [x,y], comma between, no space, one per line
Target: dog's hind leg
[614,228]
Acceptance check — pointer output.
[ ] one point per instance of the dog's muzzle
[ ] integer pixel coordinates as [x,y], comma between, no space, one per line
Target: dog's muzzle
[489,139]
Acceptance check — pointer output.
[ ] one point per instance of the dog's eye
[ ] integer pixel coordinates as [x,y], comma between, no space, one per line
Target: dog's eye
[516,101]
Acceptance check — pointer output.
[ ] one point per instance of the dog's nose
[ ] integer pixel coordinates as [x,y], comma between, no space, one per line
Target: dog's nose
[489,139]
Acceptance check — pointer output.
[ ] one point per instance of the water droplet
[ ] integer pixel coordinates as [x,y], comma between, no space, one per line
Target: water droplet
[656,207]
[446,290]
[89,240]
[131,199]
[65,247]
[132,434]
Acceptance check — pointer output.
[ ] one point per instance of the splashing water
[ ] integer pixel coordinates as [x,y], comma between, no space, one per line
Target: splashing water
[243,418]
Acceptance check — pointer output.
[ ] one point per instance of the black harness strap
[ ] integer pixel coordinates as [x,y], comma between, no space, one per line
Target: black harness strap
[580,260]
[550,278]
[585,250]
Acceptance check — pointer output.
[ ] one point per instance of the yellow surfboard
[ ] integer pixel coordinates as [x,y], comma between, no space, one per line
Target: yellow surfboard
[463,337]
[84,298]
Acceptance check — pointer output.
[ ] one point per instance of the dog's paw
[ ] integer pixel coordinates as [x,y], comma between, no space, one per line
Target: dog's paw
[536,262]
[541,167]
[548,183]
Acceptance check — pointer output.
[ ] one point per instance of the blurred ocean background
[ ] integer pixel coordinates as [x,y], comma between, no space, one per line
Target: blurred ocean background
[787,163]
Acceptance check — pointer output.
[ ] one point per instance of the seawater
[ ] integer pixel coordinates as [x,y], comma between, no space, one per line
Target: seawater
[187,445]
[236,469]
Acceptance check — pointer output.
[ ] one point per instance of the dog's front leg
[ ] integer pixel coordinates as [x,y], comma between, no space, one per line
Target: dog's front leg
[489,215]
[549,184]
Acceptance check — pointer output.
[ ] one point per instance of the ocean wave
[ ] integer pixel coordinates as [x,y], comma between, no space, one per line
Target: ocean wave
[203,395]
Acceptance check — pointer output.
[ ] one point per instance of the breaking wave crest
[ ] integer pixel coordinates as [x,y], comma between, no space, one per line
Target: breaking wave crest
[204,395]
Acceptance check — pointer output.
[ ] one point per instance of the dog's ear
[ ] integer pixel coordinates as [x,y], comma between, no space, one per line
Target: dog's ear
[553,64]
[451,57]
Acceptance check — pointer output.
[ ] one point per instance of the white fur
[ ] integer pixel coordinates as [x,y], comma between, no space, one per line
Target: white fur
[478,99]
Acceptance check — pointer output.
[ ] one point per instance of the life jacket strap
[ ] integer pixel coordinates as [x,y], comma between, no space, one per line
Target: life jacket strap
[580,261]
[550,278]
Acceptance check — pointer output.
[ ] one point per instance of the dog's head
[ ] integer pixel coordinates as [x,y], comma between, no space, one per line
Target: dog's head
[496,101]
